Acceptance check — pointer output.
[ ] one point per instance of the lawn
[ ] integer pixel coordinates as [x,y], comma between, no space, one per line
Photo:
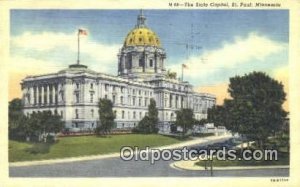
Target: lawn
[82,146]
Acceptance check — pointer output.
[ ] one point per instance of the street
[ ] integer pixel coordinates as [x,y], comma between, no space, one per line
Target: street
[115,167]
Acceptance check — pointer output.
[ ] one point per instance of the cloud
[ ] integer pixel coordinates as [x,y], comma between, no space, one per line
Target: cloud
[104,54]
[282,74]
[36,53]
[240,52]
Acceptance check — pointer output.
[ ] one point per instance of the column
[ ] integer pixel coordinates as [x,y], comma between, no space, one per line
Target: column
[155,61]
[38,95]
[123,65]
[53,94]
[48,94]
[31,95]
[58,93]
[145,61]
[42,94]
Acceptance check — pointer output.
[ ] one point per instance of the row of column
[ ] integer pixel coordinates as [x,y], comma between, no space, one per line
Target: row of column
[170,100]
[43,95]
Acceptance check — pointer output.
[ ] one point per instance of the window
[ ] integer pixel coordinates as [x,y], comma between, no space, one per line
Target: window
[140,92]
[114,99]
[92,85]
[133,101]
[106,87]
[128,115]
[77,97]
[92,98]
[123,114]
[140,115]
[105,96]
[141,63]
[140,101]
[92,113]
[114,88]
[122,100]
[77,85]
[76,114]
[146,102]
[134,115]
[151,63]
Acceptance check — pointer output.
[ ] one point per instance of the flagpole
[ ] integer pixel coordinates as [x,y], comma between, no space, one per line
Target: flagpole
[181,72]
[78,48]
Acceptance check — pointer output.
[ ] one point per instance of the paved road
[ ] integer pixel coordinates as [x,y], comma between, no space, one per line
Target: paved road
[115,167]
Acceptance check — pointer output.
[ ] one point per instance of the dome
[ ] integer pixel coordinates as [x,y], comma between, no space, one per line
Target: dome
[142,36]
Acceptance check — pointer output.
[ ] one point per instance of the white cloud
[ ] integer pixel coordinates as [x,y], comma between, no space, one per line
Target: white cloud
[231,55]
[103,53]
[26,65]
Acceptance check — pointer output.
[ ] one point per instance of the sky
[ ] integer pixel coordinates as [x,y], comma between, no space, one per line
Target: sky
[225,43]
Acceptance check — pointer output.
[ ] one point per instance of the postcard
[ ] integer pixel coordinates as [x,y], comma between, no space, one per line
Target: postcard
[149,93]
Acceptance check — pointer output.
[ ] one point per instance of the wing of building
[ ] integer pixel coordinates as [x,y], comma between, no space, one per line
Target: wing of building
[74,92]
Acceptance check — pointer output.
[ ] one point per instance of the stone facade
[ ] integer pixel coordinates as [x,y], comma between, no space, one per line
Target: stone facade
[74,92]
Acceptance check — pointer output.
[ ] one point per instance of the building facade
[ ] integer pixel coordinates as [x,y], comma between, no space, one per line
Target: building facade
[74,92]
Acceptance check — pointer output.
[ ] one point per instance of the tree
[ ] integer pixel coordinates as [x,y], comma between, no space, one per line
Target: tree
[106,116]
[171,75]
[256,106]
[37,124]
[42,124]
[16,119]
[153,115]
[216,115]
[49,123]
[185,119]
[149,123]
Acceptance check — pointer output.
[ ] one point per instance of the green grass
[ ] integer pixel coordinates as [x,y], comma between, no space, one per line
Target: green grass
[82,146]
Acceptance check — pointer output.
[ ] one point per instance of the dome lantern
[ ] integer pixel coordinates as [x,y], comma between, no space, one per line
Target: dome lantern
[141,20]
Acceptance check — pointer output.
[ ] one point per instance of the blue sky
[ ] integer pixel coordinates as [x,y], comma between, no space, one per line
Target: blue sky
[232,41]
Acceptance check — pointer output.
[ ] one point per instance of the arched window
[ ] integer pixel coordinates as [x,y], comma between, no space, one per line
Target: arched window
[151,63]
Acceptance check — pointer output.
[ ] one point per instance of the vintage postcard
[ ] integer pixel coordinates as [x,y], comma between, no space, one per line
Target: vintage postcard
[149,93]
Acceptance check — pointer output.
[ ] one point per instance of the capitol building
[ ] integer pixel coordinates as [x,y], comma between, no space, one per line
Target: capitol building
[74,92]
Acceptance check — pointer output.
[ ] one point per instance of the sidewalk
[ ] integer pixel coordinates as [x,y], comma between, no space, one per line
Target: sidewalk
[190,165]
[114,155]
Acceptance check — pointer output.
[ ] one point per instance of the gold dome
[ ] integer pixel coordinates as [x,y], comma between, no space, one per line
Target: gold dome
[142,36]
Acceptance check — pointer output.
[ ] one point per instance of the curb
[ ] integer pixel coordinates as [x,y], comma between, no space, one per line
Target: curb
[200,168]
